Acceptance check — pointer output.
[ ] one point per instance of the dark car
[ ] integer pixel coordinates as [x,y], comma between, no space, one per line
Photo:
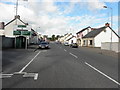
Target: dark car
[74,45]
[44,45]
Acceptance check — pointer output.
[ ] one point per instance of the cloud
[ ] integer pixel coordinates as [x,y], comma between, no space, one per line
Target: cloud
[50,19]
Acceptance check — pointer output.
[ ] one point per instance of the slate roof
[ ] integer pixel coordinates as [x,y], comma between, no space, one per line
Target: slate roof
[83,29]
[95,32]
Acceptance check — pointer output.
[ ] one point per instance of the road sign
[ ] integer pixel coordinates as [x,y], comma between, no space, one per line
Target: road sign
[16,32]
[27,33]
[22,26]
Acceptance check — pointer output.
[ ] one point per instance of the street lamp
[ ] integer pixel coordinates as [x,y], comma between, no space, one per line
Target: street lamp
[111,23]
[111,14]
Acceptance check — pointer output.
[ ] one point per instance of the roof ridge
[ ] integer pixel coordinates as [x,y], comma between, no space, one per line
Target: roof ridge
[14,20]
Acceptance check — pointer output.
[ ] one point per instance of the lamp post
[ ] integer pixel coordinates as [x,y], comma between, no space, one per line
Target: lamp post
[111,23]
[111,14]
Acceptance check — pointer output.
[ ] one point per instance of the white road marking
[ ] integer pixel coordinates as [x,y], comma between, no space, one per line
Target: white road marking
[29,63]
[60,47]
[29,75]
[44,51]
[36,76]
[65,50]
[5,75]
[20,73]
[73,55]
[102,73]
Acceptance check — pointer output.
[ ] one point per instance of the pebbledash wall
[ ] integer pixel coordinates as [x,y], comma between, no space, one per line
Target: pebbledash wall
[114,46]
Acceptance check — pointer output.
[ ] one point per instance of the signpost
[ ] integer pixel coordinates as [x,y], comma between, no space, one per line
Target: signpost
[21,30]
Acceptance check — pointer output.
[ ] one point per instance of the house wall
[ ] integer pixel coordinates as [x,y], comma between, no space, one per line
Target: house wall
[10,28]
[87,42]
[82,34]
[34,40]
[2,32]
[68,37]
[74,39]
[115,46]
[105,37]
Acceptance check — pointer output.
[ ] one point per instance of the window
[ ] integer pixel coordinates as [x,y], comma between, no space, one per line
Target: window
[91,42]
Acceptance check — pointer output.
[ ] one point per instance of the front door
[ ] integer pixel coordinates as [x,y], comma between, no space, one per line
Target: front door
[20,42]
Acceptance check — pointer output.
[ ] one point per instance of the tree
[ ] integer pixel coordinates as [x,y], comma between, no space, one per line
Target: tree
[57,37]
[53,38]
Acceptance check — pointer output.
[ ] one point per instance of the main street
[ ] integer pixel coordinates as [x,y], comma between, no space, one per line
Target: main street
[59,67]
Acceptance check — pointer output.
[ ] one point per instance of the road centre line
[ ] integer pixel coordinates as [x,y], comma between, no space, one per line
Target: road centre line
[65,50]
[73,55]
[5,75]
[29,63]
[102,73]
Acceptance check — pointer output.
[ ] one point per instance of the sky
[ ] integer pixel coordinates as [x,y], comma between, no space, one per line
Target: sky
[59,17]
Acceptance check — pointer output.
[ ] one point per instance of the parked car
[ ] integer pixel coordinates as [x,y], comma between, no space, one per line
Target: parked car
[44,45]
[66,44]
[74,45]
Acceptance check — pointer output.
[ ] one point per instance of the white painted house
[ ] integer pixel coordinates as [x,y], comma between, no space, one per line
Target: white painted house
[72,39]
[68,37]
[81,34]
[21,40]
[10,26]
[63,39]
[100,35]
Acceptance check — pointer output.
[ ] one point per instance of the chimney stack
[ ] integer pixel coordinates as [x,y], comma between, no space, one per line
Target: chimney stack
[107,24]
[2,25]
[17,16]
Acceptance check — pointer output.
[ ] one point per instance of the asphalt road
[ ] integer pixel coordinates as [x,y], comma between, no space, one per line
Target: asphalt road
[59,67]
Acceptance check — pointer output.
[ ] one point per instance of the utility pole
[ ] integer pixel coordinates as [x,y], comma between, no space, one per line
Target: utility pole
[16,10]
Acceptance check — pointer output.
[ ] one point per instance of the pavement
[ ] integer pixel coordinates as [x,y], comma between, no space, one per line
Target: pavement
[101,51]
[59,67]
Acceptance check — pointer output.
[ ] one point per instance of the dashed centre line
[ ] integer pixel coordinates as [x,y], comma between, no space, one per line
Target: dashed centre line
[73,55]
[102,73]
[65,50]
